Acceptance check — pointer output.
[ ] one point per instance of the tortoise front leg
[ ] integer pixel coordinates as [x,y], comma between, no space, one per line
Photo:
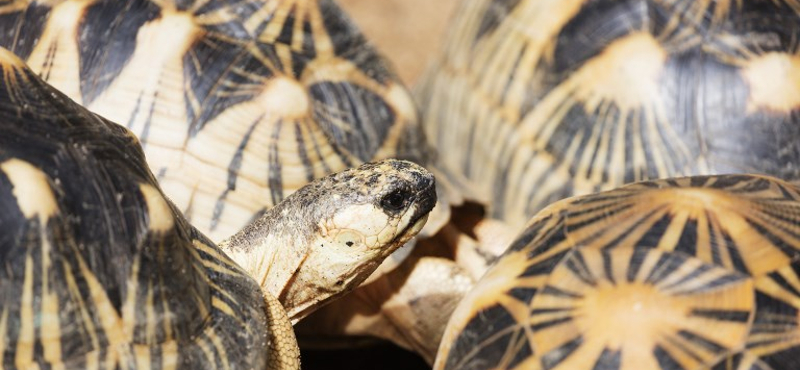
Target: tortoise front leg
[284,354]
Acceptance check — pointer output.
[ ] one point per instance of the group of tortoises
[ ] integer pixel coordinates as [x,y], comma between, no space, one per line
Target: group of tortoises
[175,189]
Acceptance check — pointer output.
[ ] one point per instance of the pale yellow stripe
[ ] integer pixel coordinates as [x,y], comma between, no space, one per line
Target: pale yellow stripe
[24,350]
[264,14]
[322,41]
[166,323]
[222,306]
[169,355]
[116,355]
[61,35]
[129,307]
[3,330]
[201,342]
[93,360]
[218,258]
[150,315]
[109,320]
[75,294]
[276,22]
[216,288]
[31,189]
[142,356]
[160,216]
[301,10]
[51,326]
[217,342]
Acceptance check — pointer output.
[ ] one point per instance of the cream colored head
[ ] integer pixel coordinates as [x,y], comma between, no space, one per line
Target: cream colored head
[326,238]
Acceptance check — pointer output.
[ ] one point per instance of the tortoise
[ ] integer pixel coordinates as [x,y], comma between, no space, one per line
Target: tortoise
[533,101]
[236,103]
[529,102]
[101,270]
[685,273]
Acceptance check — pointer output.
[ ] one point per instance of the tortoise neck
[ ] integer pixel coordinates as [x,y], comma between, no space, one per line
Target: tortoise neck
[271,249]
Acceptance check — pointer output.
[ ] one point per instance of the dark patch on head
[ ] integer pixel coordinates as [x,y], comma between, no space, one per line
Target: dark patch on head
[373,180]
[401,165]
[349,243]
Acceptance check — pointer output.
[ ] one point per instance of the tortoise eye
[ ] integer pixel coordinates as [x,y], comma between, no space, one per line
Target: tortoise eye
[395,200]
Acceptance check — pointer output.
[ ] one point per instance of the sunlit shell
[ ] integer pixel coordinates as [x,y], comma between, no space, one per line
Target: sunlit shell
[100,271]
[687,273]
[237,103]
[533,101]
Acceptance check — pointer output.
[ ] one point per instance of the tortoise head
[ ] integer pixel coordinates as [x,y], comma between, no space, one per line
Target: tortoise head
[326,238]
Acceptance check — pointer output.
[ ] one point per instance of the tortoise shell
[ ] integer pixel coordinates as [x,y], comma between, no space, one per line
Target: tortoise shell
[237,103]
[688,273]
[99,269]
[532,101]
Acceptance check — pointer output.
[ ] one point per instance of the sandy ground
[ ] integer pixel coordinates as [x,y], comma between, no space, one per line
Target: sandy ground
[406,31]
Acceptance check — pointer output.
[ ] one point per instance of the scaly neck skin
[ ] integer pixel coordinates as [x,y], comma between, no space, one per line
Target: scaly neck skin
[294,257]
[272,254]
